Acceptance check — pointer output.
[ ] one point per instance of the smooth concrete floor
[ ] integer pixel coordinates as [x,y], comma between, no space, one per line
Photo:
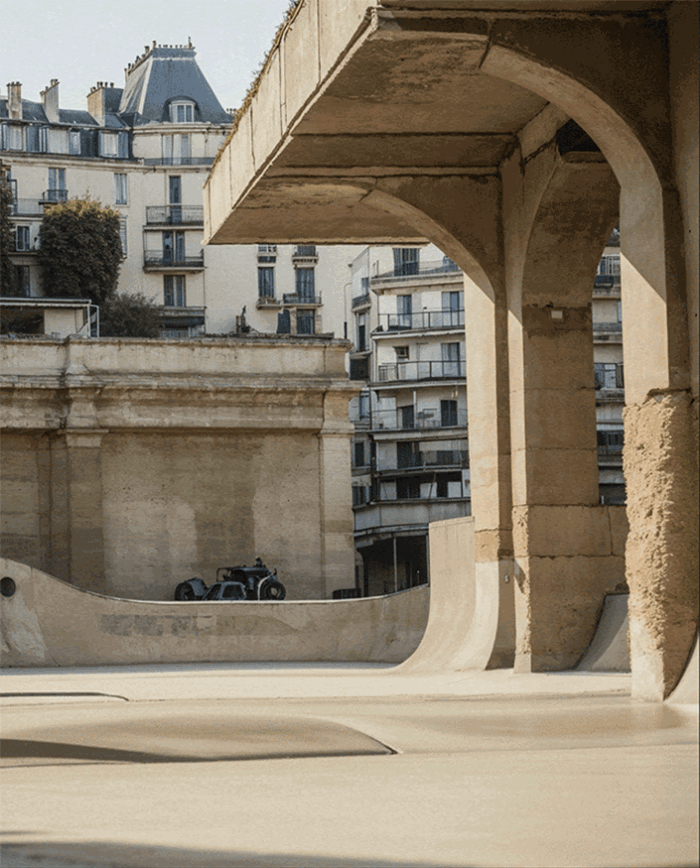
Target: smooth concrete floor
[341,766]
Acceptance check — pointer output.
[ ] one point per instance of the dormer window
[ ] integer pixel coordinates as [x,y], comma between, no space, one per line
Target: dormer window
[182,112]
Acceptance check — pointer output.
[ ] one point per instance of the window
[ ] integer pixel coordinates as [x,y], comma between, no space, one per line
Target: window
[173,246]
[266,282]
[181,112]
[108,144]
[610,264]
[361,335]
[407,416]
[359,494]
[305,283]
[450,359]
[22,238]
[31,139]
[451,308]
[57,179]
[22,280]
[404,309]
[74,142]
[174,290]
[610,442]
[408,489]
[408,454]
[120,196]
[176,149]
[406,261]
[122,235]
[364,406]
[448,414]
[305,322]
[359,369]
[360,454]
[401,353]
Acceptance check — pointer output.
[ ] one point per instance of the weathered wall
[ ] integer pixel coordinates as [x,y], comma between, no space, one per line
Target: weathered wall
[50,623]
[129,466]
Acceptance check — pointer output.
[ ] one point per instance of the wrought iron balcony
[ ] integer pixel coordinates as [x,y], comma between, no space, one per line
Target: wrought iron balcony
[425,320]
[428,459]
[361,300]
[267,301]
[178,161]
[415,270]
[607,326]
[408,371]
[305,251]
[156,261]
[175,215]
[396,420]
[609,375]
[28,207]
[55,196]
[297,300]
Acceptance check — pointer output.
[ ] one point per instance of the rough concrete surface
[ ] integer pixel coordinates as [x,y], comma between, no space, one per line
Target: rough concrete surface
[407,777]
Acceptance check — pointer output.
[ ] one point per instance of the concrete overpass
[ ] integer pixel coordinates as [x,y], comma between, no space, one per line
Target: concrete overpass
[514,134]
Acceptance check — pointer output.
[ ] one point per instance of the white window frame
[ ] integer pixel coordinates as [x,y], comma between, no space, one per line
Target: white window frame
[182,112]
[121,191]
[109,144]
[25,234]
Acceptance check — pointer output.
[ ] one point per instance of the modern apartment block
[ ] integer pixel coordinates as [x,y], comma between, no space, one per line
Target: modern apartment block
[410,452]
[411,446]
[145,149]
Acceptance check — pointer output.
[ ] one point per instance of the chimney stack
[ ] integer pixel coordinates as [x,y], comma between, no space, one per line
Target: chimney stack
[14,100]
[49,98]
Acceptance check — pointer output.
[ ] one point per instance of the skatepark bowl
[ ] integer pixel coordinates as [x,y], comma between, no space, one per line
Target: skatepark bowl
[433,762]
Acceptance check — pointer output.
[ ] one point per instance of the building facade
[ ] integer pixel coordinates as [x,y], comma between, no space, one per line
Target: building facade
[145,149]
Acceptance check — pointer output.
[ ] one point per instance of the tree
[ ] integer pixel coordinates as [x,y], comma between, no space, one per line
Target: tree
[7,270]
[130,316]
[80,250]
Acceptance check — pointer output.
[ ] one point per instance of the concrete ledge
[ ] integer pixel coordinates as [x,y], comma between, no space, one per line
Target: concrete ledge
[47,622]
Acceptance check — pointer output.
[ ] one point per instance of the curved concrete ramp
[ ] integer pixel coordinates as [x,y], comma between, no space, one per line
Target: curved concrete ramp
[686,691]
[609,650]
[471,625]
[48,622]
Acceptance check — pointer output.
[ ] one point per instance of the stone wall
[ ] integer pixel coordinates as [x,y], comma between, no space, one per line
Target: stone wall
[129,465]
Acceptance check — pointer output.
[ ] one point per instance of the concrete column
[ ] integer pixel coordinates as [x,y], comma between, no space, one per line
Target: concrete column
[661,443]
[560,212]
[337,541]
[463,216]
[77,537]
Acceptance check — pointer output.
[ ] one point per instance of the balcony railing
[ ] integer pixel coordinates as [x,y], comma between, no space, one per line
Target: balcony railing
[609,375]
[428,459]
[610,449]
[158,260]
[28,207]
[268,301]
[175,214]
[395,420]
[607,326]
[301,300]
[421,321]
[305,251]
[605,283]
[406,371]
[360,300]
[415,270]
[55,196]
[178,161]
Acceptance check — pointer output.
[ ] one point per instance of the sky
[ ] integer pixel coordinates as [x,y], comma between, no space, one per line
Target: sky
[81,42]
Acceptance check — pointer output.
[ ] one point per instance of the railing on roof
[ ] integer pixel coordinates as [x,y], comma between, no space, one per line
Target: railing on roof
[407,371]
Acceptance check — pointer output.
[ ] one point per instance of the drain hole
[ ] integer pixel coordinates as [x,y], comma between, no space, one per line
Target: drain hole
[7,586]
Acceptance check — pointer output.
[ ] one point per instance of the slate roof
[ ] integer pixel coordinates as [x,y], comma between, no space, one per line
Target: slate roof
[162,75]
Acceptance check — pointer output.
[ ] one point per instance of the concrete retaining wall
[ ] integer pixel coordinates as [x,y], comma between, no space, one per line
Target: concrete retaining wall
[48,622]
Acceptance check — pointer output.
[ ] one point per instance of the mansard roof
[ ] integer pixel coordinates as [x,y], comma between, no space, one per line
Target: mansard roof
[164,74]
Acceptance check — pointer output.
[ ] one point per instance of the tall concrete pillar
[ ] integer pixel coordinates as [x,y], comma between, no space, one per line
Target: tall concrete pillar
[560,212]
[661,444]
[462,215]
[77,537]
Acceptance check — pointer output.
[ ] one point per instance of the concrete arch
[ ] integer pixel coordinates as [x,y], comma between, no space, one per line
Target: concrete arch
[661,416]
